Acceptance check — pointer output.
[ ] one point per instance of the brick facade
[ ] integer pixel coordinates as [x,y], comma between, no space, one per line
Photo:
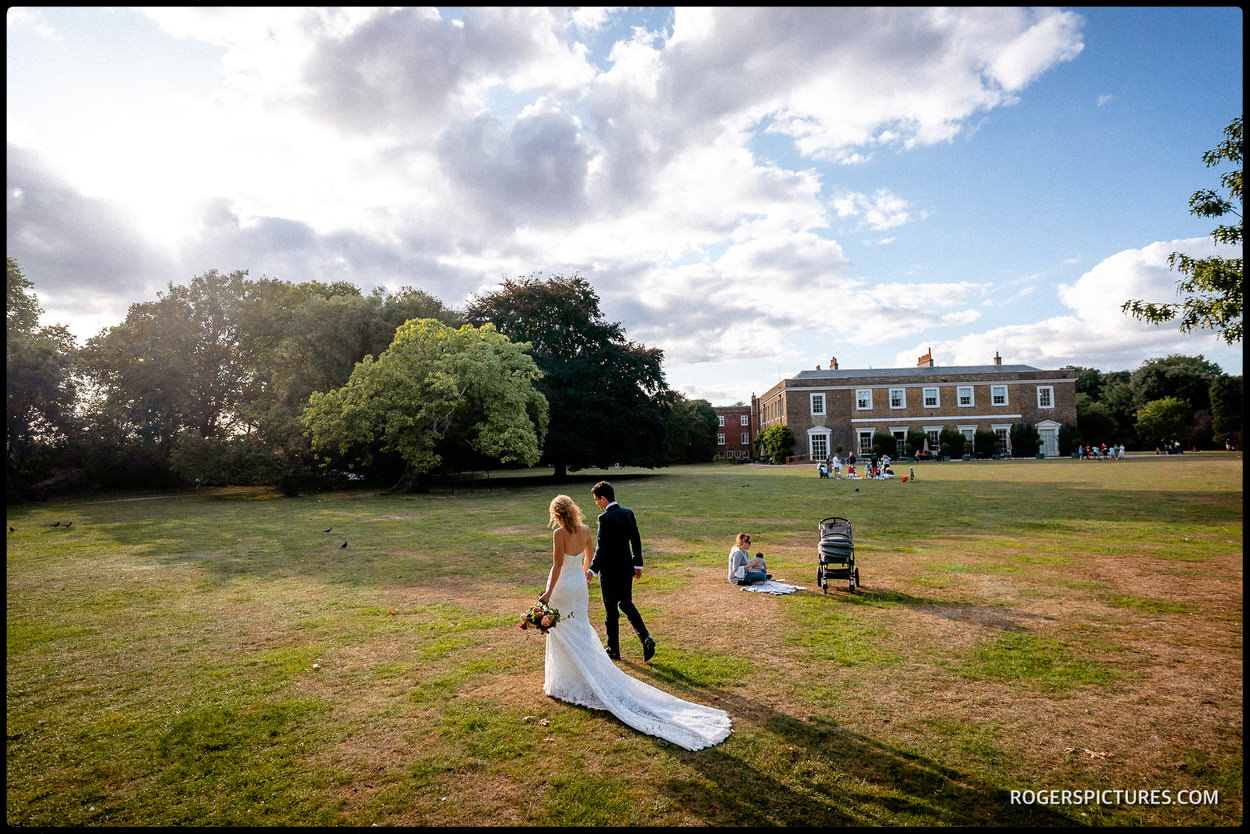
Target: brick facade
[831,408]
[734,439]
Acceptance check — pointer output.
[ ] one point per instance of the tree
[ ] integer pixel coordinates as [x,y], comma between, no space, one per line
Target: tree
[1185,377]
[775,443]
[40,382]
[884,443]
[434,387]
[1226,410]
[607,395]
[1025,440]
[175,363]
[1166,419]
[1095,419]
[1213,288]
[690,430]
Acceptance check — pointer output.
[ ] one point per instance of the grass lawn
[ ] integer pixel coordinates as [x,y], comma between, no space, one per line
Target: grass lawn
[215,658]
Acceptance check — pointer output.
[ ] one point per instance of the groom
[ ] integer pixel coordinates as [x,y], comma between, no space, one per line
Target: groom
[617,569]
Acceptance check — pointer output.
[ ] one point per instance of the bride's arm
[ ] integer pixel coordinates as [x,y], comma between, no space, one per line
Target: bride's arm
[557,560]
[588,552]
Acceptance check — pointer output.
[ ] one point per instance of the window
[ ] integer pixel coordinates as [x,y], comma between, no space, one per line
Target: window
[998,395]
[898,398]
[964,396]
[818,404]
[900,442]
[865,442]
[1045,396]
[935,439]
[720,420]
[1002,440]
[744,420]
[746,439]
[820,446]
[863,399]
[930,398]
[720,439]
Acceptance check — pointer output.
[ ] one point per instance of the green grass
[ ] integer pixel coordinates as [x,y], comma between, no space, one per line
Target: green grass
[218,659]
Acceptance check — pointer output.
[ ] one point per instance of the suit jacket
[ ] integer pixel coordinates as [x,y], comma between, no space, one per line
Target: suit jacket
[618,547]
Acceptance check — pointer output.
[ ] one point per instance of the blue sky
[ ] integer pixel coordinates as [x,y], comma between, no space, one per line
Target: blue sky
[754,191]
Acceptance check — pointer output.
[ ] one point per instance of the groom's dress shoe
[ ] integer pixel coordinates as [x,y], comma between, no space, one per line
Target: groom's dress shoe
[648,648]
[614,655]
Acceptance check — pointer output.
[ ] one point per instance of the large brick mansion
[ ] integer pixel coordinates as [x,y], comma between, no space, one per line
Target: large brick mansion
[834,407]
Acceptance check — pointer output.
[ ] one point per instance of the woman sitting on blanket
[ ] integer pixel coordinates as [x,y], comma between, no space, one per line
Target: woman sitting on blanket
[743,570]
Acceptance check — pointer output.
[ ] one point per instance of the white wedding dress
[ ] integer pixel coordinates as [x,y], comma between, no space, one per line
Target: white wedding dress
[578,670]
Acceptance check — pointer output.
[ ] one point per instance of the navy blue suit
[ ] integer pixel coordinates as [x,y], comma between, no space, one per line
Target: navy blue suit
[618,551]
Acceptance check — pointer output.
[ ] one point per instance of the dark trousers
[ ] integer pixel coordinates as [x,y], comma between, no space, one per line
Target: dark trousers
[618,598]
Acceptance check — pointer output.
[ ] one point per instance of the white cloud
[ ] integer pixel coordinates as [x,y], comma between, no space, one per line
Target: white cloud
[1097,333]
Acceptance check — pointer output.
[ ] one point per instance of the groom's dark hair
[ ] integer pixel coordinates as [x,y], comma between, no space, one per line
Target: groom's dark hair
[603,489]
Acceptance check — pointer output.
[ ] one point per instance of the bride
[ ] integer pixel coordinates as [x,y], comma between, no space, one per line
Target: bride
[578,669]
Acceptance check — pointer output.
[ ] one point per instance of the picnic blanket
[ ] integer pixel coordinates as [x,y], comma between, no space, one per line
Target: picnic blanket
[772,586]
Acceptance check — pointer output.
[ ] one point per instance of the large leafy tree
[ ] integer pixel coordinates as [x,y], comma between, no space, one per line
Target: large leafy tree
[435,387]
[1213,286]
[607,394]
[690,430]
[40,384]
[175,364]
[1227,410]
[1186,377]
[1166,419]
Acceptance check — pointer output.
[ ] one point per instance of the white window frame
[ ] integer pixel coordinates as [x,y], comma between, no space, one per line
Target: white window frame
[959,397]
[1049,393]
[720,419]
[744,420]
[720,439]
[863,440]
[935,395]
[901,395]
[863,399]
[746,439]
[818,399]
[995,392]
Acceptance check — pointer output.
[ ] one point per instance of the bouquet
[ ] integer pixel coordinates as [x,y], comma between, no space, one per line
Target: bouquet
[542,617]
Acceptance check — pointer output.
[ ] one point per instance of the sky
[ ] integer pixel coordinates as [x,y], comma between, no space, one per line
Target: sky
[754,191]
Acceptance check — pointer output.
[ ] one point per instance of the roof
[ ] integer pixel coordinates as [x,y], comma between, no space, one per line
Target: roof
[861,373]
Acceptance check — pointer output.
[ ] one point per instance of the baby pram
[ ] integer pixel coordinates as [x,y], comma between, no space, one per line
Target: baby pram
[836,553]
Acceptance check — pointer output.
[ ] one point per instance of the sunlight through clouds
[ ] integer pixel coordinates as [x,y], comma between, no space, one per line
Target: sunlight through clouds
[754,186]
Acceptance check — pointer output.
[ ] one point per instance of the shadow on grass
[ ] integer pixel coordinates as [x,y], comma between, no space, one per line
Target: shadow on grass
[829,774]
[990,616]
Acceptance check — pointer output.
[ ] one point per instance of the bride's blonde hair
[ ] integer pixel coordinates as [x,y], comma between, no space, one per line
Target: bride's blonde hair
[565,513]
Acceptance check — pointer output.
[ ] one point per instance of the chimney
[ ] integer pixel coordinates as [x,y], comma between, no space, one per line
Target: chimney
[833,364]
[925,361]
[998,360]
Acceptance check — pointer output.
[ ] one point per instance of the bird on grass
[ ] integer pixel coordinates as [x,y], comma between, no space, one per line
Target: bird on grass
[56,524]
[343,545]
[328,529]
[69,524]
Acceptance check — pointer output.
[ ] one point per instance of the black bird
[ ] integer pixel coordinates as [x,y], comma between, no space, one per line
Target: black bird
[69,524]
[11,530]
[56,524]
[343,545]
[327,530]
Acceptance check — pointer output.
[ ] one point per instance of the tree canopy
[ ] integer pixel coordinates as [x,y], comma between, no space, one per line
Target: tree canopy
[435,387]
[1213,285]
[607,395]
[40,378]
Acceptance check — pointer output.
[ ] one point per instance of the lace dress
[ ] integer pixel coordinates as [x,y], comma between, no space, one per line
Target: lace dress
[578,670]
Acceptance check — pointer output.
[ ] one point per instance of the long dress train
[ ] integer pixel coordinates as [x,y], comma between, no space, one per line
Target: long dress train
[578,670]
